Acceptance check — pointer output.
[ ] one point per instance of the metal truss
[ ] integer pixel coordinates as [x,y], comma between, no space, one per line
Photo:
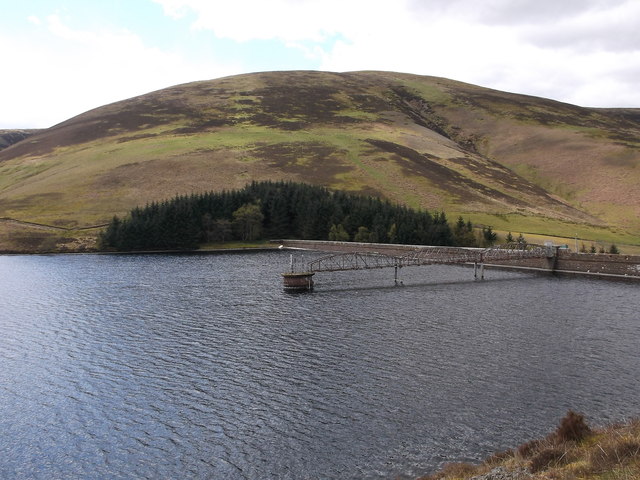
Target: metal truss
[429,256]
[352,261]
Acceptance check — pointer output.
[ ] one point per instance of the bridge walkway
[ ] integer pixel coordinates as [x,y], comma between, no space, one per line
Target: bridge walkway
[351,256]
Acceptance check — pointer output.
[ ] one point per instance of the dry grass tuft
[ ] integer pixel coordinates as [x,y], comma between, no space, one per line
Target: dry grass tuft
[527,450]
[605,457]
[499,458]
[617,449]
[546,458]
[573,451]
[454,471]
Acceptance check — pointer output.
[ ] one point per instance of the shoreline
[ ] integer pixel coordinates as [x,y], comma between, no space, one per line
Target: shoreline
[153,252]
[574,450]
[597,266]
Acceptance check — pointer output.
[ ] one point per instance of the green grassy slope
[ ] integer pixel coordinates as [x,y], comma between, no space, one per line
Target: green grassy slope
[514,162]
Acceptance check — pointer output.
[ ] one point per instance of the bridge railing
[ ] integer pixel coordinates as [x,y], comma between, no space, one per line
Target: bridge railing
[427,256]
[431,255]
[352,261]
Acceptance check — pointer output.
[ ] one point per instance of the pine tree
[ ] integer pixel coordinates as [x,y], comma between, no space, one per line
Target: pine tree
[392,234]
[489,236]
[247,221]
[463,233]
[362,235]
[337,233]
[275,209]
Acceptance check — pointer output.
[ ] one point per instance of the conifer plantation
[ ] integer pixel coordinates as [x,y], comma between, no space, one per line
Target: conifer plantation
[273,210]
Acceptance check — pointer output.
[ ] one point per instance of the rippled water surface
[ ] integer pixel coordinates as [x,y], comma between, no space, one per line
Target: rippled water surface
[200,366]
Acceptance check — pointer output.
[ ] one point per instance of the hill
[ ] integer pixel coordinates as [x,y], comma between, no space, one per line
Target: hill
[514,162]
[9,137]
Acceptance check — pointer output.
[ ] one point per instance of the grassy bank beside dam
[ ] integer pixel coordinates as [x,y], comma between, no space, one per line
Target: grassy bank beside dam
[573,451]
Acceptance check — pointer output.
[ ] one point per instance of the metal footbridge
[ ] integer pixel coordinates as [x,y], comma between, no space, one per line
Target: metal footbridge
[424,255]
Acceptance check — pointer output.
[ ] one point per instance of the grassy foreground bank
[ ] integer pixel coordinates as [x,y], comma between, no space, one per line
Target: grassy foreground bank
[573,451]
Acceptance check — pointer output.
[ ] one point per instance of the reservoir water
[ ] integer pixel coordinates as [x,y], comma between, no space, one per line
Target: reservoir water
[201,366]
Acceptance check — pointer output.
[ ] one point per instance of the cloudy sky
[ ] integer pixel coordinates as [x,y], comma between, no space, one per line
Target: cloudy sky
[63,57]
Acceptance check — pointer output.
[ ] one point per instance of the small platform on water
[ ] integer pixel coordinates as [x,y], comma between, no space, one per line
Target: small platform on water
[298,281]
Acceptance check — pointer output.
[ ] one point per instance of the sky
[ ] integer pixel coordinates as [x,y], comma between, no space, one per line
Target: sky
[61,58]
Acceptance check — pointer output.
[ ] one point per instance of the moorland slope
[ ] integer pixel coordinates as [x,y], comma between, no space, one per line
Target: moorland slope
[9,137]
[514,162]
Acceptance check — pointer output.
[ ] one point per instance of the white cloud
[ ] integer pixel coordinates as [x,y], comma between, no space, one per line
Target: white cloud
[570,50]
[63,72]
[579,51]
[614,29]
[286,20]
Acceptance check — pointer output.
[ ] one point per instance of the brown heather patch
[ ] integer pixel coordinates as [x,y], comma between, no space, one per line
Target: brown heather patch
[528,449]
[579,157]
[13,136]
[464,188]
[572,452]
[546,458]
[321,163]
[453,471]
[572,428]
[502,175]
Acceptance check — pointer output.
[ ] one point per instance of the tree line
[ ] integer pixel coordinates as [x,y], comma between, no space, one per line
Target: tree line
[281,210]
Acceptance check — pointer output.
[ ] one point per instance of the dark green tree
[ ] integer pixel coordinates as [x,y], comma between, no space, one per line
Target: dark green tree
[247,221]
[208,227]
[222,230]
[392,234]
[463,233]
[489,237]
[275,210]
[109,237]
[362,235]
[338,233]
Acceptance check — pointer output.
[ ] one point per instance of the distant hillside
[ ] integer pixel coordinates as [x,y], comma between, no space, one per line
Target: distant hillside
[9,137]
[514,162]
